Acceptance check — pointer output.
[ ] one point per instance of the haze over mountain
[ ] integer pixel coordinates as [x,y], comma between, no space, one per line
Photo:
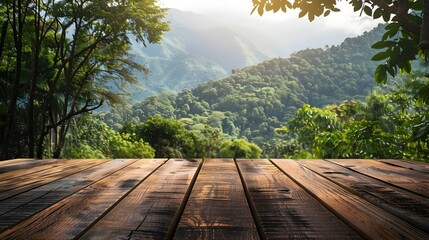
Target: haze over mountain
[253,101]
[200,48]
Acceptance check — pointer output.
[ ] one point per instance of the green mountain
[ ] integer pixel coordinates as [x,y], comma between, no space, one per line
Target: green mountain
[196,50]
[255,100]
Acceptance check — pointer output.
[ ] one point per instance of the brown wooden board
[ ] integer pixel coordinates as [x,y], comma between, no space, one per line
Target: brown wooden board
[406,205]
[285,210]
[15,161]
[217,207]
[22,168]
[152,209]
[417,182]
[38,176]
[25,164]
[19,207]
[369,220]
[413,165]
[69,217]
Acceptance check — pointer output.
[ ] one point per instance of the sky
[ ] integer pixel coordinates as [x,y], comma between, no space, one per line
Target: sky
[346,21]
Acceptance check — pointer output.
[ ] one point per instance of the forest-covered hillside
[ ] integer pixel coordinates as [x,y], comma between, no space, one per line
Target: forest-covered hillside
[195,50]
[255,100]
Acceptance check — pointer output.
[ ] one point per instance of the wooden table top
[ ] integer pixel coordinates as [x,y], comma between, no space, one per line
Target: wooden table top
[214,199]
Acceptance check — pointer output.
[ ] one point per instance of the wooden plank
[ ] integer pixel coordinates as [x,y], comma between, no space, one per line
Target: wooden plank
[413,165]
[217,207]
[367,219]
[38,176]
[414,181]
[69,217]
[17,208]
[406,205]
[285,210]
[15,170]
[13,165]
[151,210]
[15,161]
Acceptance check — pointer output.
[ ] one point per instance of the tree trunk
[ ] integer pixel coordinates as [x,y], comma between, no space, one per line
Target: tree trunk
[34,76]
[3,37]
[61,139]
[40,149]
[17,26]
[424,30]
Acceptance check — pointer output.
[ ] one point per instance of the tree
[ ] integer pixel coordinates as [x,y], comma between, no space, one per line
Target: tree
[310,122]
[407,31]
[89,137]
[85,61]
[240,148]
[168,137]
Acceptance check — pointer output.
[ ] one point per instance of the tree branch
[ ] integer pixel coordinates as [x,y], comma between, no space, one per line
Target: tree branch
[403,20]
[386,7]
[424,32]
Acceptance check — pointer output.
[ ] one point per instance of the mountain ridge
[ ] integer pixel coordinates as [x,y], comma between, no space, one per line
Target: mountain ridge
[200,48]
[254,100]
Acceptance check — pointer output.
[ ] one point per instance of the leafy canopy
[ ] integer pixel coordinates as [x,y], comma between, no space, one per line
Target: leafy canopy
[406,35]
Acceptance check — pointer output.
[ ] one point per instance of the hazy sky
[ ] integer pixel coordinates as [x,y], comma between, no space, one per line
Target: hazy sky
[346,21]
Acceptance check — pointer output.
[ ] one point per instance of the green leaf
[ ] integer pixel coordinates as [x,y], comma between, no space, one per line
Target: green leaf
[380,56]
[407,67]
[357,5]
[391,71]
[261,10]
[392,26]
[386,16]
[302,13]
[326,13]
[380,75]
[378,13]
[382,44]
[368,11]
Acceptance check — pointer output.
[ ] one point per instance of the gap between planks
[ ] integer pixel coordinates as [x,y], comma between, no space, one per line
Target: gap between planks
[361,215]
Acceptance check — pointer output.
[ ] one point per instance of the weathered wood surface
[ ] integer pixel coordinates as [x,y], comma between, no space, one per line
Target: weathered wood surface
[298,215]
[217,207]
[213,199]
[415,181]
[72,215]
[369,220]
[406,205]
[151,210]
[18,181]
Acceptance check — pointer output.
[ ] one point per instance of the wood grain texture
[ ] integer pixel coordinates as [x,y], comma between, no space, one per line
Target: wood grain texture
[69,217]
[217,207]
[406,205]
[369,220]
[27,179]
[415,181]
[285,210]
[220,199]
[19,207]
[18,169]
[20,163]
[16,160]
[150,210]
[412,165]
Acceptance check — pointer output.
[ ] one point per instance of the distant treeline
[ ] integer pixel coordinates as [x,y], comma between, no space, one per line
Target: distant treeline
[255,100]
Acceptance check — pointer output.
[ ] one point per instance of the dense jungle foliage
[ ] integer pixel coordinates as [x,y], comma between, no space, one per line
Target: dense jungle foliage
[255,100]
[316,103]
[60,61]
